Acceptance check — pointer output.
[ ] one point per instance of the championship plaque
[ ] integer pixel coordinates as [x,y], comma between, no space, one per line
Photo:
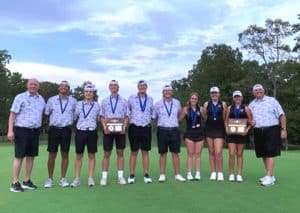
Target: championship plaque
[237,126]
[114,125]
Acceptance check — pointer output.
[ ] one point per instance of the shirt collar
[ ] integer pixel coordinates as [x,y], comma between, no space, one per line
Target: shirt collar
[57,96]
[29,95]
[89,103]
[262,99]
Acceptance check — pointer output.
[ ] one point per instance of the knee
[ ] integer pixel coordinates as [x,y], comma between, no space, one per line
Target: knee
[190,153]
[79,157]
[218,155]
[239,155]
[231,154]
[197,154]
[134,154]
[91,156]
[106,155]
[120,153]
[64,156]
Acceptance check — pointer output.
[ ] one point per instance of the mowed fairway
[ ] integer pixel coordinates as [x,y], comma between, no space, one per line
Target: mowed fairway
[201,196]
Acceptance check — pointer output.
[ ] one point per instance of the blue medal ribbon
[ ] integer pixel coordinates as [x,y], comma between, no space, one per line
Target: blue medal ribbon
[236,112]
[113,108]
[214,110]
[63,109]
[168,111]
[193,116]
[83,110]
[143,105]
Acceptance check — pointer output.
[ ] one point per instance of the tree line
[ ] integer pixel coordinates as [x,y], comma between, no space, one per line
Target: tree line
[271,61]
[12,83]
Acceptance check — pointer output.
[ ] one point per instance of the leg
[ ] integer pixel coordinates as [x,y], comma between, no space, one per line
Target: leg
[105,161]
[232,149]
[64,163]
[218,142]
[16,169]
[198,151]
[211,153]
[28,168]
[92,163]
[51,163]
[176,163]
[162,163]
[270,166]
[240,151]
[120,159]
[132,161]
[190,148]
[145,159]
[78,164]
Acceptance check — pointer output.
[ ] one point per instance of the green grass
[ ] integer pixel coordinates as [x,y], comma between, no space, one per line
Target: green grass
[202,196]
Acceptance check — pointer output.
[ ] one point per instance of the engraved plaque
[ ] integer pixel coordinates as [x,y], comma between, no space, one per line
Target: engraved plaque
[237,126]
[115,125]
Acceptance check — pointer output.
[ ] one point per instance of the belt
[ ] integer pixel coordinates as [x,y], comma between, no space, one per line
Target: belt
[148,126]
[86,129]
[265,128]
[26,128]
[57,127]
[167,128]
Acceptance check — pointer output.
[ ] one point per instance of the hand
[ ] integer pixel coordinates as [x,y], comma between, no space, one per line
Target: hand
[283,134]
[245,133]
[105,130]
[123,130]
[11,136]
[227,131]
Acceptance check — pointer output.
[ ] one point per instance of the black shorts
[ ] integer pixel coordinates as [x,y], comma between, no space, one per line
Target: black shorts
[59,136]
[88,138]
[194,134]
[217,131]
[108,141]
[26,142]
[168,138]
[238,139]
[140,137]
[267,141]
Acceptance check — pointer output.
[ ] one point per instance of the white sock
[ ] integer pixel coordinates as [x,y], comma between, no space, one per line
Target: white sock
[120,173]
[189,173]
[104,174]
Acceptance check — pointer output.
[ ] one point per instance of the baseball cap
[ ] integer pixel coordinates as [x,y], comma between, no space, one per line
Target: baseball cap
[214,89]
[113,82]
[237,93]
[89,87]
[167,87]
[257,86]
[142,82]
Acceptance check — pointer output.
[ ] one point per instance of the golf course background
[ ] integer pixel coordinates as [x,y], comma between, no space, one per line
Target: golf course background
[172,196]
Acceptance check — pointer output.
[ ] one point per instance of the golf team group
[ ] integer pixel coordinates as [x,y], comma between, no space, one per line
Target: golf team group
[119,116]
